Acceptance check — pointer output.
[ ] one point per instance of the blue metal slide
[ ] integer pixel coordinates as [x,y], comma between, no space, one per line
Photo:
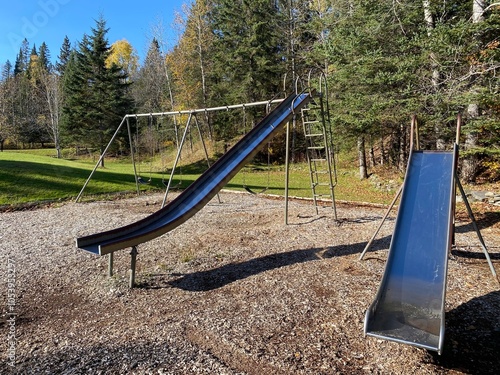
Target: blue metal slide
[409,306]
[200,192]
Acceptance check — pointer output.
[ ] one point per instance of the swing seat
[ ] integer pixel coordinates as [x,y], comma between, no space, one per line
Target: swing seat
[143,181]
[247,188]
[178,186]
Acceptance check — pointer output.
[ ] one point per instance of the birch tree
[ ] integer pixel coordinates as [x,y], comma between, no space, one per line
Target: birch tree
[471,162]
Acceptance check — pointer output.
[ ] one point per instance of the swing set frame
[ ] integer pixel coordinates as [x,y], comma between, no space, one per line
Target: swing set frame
[191,116]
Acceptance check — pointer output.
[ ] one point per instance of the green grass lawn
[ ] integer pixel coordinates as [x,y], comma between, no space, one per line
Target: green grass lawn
[35,175]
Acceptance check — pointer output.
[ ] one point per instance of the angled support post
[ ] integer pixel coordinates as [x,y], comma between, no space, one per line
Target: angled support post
[476,228]
[177,158]
[100,159]
[369,244]
[414,143]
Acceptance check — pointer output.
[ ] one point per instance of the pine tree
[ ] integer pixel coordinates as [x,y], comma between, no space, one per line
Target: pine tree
[44,57]
[7,71]
[22,59]
[64,56]
[247,50]
[96,97]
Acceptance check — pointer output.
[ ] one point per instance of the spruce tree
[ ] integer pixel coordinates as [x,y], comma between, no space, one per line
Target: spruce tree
[44,57]
[7,71]
[21,64]
[247,51]
[64,55]
[96,97]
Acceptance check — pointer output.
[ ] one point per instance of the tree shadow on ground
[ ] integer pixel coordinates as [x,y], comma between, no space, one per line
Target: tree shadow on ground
[474,254]
[483,220]
[472,337]
[229,273]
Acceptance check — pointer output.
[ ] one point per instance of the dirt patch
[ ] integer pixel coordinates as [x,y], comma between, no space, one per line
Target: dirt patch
[231,291]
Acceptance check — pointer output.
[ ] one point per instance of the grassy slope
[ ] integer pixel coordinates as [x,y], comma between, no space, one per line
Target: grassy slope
[33,176]
[29,177]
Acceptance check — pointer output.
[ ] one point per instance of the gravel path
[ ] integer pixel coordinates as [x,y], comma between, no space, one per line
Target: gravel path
[231,291]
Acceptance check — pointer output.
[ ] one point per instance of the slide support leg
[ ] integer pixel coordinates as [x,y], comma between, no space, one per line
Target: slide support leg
[133,259]
[476,228]
[110,265]
[369,244]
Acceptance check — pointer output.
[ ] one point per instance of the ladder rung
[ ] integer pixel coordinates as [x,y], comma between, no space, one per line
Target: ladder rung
[317,183]
[318,159]
[316,147]
[311,122]
[315,135]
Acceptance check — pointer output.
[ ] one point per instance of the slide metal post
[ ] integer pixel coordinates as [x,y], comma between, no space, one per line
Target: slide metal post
[287,167]
[110,265]
[133,261]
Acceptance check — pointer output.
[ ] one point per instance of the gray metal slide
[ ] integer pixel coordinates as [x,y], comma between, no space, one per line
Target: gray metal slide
[200,192]
[409,306]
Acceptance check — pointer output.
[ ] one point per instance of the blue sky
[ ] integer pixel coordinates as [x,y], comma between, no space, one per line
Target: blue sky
[50,21]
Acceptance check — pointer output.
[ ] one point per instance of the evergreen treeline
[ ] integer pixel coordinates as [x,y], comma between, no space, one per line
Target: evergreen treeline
[384,61]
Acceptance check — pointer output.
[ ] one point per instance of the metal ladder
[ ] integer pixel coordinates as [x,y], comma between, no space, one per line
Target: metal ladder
[319,156]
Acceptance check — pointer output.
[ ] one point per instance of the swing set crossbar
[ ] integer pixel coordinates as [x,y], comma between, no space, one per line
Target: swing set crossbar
[203,110]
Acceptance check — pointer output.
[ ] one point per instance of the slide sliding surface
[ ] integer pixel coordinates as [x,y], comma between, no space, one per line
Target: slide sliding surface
[409,306]
[200,192]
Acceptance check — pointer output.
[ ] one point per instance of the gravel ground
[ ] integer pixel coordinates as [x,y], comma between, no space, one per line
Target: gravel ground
[231,291]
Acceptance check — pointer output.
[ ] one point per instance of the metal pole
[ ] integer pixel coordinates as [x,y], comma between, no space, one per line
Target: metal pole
[132,155]
[179,150]
[369,244]
[100,159]
[476,228]
[417,135]
[412,129]
[110,265]
[287,167]
[133,261]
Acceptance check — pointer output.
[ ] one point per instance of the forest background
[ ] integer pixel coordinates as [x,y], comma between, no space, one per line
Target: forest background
[383,60]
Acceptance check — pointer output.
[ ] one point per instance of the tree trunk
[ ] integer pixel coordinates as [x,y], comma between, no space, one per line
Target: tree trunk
[102,159]
[363,172]
[402,149]
[372,156]
[382,151]
[201,30]
[470,165]
[430,25]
